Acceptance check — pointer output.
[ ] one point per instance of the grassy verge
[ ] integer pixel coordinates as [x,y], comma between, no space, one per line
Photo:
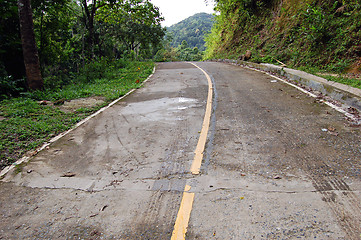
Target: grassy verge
[356,83]
[335,76]
[333,72]
[26,125]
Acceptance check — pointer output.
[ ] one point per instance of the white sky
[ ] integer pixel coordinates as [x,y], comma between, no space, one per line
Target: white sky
[175,11]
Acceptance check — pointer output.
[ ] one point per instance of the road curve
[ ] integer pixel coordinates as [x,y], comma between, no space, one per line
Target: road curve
[277,165]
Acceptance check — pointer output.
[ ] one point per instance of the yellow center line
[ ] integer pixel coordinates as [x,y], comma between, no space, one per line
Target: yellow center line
[184,213]
[197,161]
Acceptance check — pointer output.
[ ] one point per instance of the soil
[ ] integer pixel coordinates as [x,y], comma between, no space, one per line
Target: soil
[75,104]
[355,68]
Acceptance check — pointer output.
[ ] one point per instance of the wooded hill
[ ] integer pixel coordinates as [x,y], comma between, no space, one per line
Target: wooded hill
[192,30]
[321,33]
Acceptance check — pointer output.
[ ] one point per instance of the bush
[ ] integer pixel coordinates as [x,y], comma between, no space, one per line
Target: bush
[10,87]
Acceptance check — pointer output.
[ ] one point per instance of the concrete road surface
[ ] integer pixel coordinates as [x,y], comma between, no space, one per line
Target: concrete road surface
[276,165]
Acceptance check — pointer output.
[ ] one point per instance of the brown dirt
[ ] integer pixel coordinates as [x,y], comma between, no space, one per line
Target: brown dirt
[75,104]
[356,68]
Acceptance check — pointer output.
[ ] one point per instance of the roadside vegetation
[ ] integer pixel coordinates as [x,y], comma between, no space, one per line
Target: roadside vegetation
[316,36]
[88,52]
[181,53]
[28,121]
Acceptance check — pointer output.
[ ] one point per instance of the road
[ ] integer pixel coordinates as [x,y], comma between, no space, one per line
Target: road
[270,170]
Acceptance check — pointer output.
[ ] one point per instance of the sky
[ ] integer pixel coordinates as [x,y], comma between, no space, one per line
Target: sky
[175,11]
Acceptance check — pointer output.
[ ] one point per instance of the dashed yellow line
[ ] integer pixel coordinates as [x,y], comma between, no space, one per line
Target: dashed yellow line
[184,213]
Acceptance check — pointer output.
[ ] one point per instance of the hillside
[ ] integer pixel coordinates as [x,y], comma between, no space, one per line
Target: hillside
[318,33]
[192,30]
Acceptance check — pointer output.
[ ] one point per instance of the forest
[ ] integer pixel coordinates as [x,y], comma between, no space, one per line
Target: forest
[192,30]
[71,34]
[184,41]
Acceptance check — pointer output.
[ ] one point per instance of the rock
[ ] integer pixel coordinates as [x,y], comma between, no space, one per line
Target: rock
[69,174]
[248,55]
[44,102]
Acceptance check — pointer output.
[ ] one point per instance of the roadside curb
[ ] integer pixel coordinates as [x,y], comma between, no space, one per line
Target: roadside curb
[27,156]
[342,93]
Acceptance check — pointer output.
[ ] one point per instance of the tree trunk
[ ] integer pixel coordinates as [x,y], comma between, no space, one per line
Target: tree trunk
[30,52]
[89,23]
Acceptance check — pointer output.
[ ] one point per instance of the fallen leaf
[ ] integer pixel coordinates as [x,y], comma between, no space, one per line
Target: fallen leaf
[332,129]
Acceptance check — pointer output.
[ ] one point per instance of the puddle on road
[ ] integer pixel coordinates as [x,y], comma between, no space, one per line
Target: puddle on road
[163,109]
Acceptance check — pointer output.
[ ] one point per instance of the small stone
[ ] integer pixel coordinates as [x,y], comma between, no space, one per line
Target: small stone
[69,174]
[43,102]
[277,177]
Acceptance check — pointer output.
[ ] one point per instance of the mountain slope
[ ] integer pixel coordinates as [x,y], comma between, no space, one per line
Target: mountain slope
[320,33]
[192,30]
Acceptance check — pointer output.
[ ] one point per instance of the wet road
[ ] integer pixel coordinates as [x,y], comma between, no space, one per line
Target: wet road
[268,171]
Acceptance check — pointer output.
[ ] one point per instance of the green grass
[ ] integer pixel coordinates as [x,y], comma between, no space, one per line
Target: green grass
[26,124]
[341,78]
[356,83]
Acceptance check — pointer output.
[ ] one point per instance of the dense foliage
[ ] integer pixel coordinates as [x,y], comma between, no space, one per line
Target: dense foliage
[181,53]
[192,30]
[72,34]
[184,41]
[324,33]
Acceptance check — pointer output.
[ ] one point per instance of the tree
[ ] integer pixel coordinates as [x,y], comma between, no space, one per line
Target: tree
[30,52]
[134,23]
[90,11]
[53,22]
[184,45]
